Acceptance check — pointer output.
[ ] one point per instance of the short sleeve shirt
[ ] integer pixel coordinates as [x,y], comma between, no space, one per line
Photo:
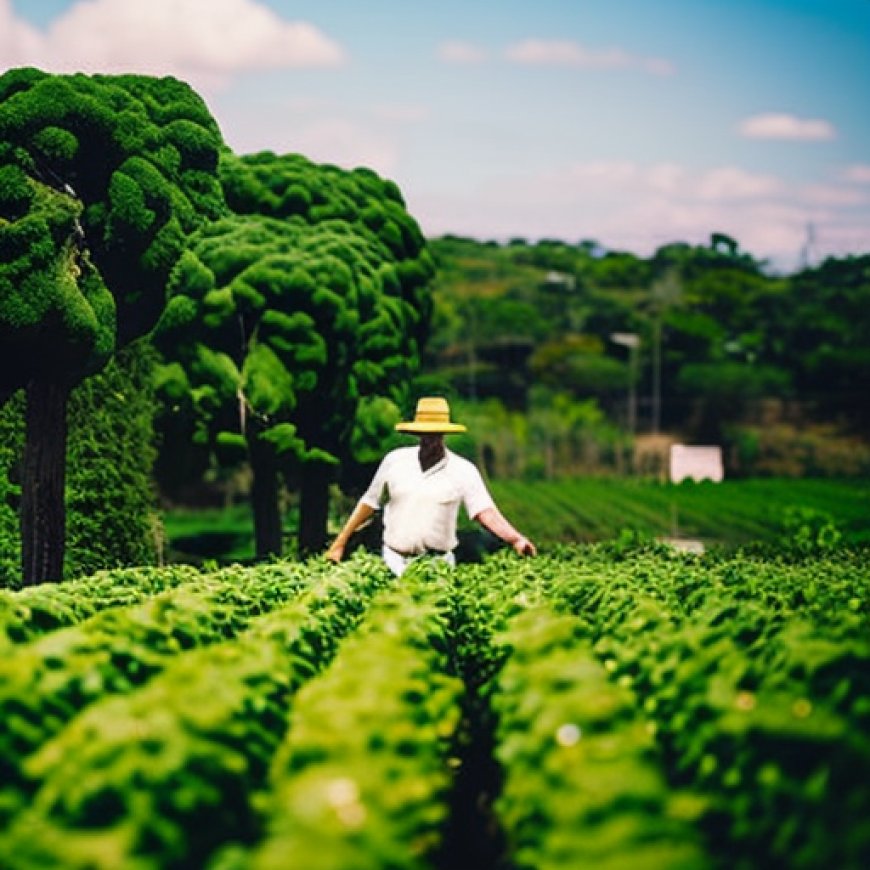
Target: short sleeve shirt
[421,507]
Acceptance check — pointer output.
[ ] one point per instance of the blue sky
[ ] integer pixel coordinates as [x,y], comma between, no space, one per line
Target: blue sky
[631,122]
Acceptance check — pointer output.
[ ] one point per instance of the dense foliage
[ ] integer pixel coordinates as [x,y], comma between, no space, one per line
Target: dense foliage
[112,512]
[596,704]
[11,446]
[293,325]
[111,501]
[101,180]
[724,351]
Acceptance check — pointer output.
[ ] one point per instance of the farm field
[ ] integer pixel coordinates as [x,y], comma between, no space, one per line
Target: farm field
[599,705]
[678,680]
[729,514]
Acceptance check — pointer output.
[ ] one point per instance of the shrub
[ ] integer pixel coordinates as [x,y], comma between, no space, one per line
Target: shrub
[111,516]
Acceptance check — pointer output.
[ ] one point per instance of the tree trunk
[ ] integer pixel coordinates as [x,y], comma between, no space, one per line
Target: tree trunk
[264,496]
[313,508]
[43,512]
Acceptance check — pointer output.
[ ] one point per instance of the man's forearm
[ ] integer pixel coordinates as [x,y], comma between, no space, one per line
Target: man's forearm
[360,515]
[493,519]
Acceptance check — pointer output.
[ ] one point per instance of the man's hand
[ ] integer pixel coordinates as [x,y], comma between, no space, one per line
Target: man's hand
[336,552]
[492,518]
[360,515]
[524,547]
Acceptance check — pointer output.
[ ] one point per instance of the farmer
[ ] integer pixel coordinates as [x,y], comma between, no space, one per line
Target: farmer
[425,486]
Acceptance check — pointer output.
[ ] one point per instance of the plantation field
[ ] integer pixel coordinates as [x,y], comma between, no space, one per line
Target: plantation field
[728,514]
[597,706]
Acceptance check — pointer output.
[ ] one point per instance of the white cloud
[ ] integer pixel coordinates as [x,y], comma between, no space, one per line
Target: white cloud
[833,194]
[666,177]
[566,53]
[627,178]
[857,173]
[18,40]
[201,41]
[405,114]
[327,140]
[456,51]
[726,183]
[635,206]
[346,144]
[783,126]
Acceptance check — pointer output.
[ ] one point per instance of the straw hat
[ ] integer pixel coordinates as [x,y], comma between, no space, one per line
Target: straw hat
[433,415]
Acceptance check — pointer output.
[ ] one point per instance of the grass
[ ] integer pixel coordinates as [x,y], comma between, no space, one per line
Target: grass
[221,534]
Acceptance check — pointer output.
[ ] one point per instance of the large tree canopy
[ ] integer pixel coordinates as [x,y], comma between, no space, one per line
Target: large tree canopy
[287,186]
[287,320]
[102,178]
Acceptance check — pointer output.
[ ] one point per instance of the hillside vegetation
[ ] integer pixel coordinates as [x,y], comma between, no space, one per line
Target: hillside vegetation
[565,349]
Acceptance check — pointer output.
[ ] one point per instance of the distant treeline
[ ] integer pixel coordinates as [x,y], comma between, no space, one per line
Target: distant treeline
[702,341]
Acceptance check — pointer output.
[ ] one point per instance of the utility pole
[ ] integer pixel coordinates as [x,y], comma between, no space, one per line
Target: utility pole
[665,291]
[808,251]
[631,340]
[656,410]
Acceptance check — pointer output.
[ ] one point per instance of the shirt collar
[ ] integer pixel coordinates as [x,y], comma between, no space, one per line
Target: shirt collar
[438,466]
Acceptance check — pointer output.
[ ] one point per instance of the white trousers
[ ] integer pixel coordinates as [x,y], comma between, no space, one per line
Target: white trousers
[397,563]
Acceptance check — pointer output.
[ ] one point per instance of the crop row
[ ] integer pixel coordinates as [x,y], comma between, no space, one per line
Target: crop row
[27,613]
[583,783]
[756,680]
[731,512]
[754,677]
[362,778]
[764,717]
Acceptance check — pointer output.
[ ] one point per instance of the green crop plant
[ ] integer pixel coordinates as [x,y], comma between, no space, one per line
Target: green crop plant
[36,610]
[363,777]
[583,783]
[45,683]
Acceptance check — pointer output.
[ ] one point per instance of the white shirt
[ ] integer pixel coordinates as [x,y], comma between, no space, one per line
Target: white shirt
[422,506]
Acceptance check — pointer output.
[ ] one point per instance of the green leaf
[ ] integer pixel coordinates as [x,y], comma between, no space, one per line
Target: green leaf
[267,384]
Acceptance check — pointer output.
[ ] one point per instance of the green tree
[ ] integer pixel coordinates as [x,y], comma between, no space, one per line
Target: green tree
[576,365]
[287,320]
[101,180]
[722,391]
[110,499]
[711,332]
[822,334]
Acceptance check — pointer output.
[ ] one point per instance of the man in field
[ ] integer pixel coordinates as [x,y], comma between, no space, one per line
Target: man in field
[424,487]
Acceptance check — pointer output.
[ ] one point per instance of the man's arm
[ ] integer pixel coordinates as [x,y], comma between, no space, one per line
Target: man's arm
[493,519]
[360,515]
